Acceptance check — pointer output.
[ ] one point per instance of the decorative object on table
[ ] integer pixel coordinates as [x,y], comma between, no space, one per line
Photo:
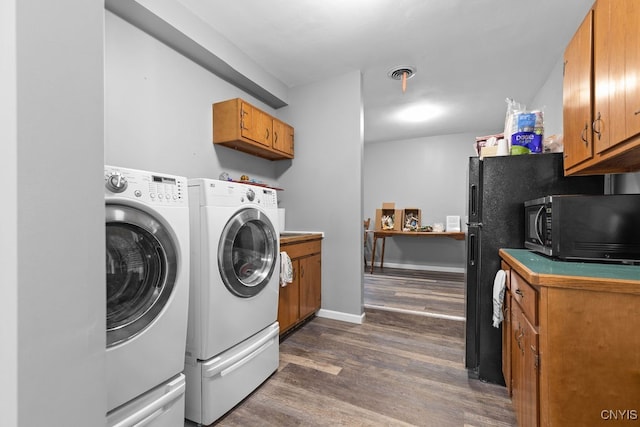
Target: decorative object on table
[411,219]
[426,228]
[453,223]
[244,178]
[224,176]
[438,227]
[387,217]
[387,222]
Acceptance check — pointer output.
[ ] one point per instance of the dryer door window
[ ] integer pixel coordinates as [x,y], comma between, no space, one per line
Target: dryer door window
[247,253]
[141,270]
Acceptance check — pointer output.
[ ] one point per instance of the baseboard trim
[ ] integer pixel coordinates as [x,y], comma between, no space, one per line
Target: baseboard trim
[339,315]
[422,267]
[415,312]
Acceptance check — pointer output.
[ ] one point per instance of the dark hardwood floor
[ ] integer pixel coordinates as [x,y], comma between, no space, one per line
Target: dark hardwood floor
[396,369]
[415,291]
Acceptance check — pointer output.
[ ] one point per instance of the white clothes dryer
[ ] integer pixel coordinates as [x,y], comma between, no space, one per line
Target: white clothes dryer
[147,281]
[233,297]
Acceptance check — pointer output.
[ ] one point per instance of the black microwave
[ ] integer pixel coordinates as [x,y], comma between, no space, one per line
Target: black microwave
[584,227]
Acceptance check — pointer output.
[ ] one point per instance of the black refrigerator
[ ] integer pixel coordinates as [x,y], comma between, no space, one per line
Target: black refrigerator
[497,188]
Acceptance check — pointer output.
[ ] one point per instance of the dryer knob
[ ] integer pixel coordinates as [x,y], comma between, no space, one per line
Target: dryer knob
[251,195]
[116,183]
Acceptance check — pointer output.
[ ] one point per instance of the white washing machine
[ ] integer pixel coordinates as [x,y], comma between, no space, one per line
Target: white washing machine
[232,339]
[147,266]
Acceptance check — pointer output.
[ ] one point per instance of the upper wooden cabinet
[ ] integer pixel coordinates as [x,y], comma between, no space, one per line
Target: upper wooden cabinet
[576,99]
[238,124]
[602,91]
[282,138]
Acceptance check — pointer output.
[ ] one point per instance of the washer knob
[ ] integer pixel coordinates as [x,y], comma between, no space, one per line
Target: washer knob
[116,183]
[251,195]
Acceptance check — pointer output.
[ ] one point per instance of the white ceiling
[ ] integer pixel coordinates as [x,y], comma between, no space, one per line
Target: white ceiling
[469,54]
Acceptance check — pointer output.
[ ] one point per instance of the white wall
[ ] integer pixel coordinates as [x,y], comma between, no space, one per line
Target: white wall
[323,185]
[52,308]
[9,216]
[425,173]
[158,110]
[549,99]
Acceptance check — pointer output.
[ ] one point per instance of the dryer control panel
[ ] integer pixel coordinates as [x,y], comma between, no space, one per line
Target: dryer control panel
[218,193]
[148,187]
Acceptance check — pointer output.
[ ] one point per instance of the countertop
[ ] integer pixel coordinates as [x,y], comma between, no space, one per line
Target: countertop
[288,237]
[541,270]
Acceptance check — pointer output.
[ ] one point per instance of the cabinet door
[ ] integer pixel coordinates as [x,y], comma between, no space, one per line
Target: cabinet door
[577,96]
[632,67]
[255,124]
[524,369]
[282,137]
[616,64]
[506,341]
[310,285]
[530,378]
[288,302]
[608,66]
[517,357]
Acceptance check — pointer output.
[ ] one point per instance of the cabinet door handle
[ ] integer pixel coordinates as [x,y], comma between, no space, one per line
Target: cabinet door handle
[536,357]
[519,292]
[519,335]
[301,271]
[242,114]
[266,134]
[597,131]
[275,137]
[583,134]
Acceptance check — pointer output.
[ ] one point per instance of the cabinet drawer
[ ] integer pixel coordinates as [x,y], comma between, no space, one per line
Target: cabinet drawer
[297,250]
[526,296]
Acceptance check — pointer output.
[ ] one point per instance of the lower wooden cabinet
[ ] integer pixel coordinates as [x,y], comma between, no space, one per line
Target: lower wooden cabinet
[571,344]
[524,368]
[301,298]
[520,358]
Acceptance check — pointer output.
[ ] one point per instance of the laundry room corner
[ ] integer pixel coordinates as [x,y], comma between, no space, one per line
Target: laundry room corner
[323,186]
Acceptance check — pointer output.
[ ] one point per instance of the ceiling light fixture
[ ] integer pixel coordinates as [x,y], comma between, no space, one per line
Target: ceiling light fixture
[418,113]
[403,73]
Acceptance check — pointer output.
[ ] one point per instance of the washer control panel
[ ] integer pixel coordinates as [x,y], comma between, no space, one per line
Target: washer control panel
[148,187]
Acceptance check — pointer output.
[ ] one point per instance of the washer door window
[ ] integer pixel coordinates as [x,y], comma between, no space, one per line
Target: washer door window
[247,252]
[141,270]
